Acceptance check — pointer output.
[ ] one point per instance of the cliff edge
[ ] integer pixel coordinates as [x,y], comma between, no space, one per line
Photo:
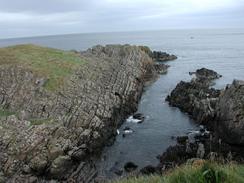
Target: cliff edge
[58,108]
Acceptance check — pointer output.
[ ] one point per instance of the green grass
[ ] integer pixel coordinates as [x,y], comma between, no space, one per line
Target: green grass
[5,113]
[55,65]
[208,173]
[41,121]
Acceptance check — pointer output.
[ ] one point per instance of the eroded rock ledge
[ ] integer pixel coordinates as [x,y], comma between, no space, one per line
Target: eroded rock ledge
[220,111]
[48,134]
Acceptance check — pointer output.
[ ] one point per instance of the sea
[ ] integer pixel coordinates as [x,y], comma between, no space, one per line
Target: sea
[219,49]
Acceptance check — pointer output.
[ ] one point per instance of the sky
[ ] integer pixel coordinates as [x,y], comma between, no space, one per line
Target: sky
[26,18]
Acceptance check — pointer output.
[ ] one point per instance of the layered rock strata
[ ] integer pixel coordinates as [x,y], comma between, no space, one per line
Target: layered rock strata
[48,135]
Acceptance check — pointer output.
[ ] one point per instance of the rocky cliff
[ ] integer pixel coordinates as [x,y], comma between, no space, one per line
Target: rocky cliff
[58,109]
[219,110]
[220,115]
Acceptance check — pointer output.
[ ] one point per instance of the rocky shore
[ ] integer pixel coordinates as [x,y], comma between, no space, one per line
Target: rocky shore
[220,115]
[52,125]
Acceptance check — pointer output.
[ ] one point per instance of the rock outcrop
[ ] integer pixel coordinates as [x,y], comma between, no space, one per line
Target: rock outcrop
[158,56]
[196,97]
[46,134]
[221,111]
[162,56]
[230,114]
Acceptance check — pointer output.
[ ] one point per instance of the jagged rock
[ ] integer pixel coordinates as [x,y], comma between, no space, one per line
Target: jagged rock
[43,126]
[230,113]
[182,139]
[79,153]
[139,116]
[162,56]
[148,170]
[130,166]
[161,68]
[195,97]
[219,110]
[204,73]
[60,166]
[39,164]
[158,55]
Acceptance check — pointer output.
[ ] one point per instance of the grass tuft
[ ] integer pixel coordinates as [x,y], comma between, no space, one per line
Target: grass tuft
[208,173]
[5,113]
[53,64]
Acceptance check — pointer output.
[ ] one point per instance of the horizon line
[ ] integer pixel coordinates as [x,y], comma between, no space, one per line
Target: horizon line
[125,31]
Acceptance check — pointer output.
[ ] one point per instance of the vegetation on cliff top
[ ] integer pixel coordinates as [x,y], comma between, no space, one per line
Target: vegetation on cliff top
[53,64]
[207,173]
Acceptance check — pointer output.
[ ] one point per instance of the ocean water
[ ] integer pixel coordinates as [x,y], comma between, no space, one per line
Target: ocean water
[221,50]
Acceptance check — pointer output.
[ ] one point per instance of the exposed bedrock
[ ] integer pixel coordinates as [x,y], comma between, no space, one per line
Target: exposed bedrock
[52,134]
[196,97]
[158,56]
[230,114]
[220,110]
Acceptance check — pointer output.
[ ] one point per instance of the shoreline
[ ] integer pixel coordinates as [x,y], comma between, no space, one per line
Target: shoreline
[58,148]
[208,143]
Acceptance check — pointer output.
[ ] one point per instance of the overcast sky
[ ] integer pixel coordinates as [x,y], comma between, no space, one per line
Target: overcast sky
[19,18]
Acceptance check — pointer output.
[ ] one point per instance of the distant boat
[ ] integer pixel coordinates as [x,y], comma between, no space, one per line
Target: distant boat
[191,37]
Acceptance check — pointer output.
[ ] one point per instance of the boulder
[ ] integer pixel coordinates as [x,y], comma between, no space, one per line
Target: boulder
[204,73]
[39,164]
[162,56]
[130,166]
[60,166]
[148,170]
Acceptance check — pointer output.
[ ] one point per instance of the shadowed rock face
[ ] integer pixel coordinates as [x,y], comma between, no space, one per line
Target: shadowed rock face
[196,97]
[222,111]
[230,113]
[49,133]
[158,56]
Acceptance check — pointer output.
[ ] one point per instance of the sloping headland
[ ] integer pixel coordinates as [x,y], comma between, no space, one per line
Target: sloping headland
[59,108]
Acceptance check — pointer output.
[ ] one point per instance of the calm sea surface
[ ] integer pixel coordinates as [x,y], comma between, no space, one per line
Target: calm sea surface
[221,50]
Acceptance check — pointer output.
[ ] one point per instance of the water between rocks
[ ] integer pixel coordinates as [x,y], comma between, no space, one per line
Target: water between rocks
[221,50]
[153,136]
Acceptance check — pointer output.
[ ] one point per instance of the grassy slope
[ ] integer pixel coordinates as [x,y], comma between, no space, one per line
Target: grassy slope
[208,173]
[56,65]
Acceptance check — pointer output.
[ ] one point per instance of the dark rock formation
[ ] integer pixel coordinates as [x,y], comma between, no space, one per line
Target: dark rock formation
[219,110]
[148,170]
[162,56]
[139,116]
[230,114]
[53,134]
[161,68]
[208,74]
[196,97]
[130,166]
[158,56]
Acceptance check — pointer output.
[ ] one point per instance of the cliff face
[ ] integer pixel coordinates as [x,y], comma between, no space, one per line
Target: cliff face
[58,108]
[221,139]
[230,114]
[221,111]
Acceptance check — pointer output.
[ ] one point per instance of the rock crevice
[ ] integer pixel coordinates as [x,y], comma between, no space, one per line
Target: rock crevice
[46,134]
